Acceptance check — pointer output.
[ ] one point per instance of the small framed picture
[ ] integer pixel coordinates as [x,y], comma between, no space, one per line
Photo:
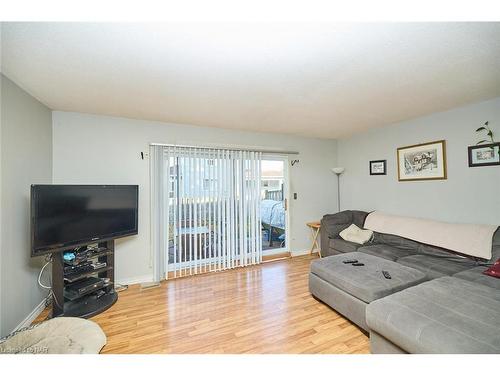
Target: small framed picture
[426,161]
[378,167]
[484,155]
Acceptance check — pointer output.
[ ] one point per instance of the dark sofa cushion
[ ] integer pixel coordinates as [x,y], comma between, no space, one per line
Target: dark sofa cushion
[365,283]
[333,224]
[359,217]
[446,315]
[395,241]
[343,246]
[435,266]
[476,275]
[386,251]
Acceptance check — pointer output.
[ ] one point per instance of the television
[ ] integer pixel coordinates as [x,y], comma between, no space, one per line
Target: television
[66,216]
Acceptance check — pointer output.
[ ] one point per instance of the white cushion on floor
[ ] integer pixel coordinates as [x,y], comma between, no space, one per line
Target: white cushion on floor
[57,336]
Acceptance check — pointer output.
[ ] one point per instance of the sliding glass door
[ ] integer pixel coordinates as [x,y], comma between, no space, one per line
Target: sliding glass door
[207,201]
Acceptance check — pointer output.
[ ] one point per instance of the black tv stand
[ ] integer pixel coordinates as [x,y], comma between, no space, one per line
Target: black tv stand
[88,304]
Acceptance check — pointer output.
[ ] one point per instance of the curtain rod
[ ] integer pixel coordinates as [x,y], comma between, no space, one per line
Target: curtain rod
[228,148]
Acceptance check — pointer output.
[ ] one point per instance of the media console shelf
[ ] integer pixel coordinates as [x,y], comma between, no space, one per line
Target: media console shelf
[65,301]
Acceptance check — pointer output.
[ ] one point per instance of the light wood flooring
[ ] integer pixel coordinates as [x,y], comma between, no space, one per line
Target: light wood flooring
[260,309]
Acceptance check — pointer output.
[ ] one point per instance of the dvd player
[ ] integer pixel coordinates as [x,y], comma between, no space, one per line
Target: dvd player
[85,286]
[71,270]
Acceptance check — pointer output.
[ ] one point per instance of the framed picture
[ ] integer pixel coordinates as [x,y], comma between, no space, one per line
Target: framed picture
[484,155]
[378,167]
[426,161]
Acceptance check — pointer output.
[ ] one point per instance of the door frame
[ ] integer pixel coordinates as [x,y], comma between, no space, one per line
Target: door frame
[286,195]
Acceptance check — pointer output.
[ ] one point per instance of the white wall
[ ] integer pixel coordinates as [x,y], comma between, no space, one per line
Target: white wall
[91,149]
[469,195]
[26,158]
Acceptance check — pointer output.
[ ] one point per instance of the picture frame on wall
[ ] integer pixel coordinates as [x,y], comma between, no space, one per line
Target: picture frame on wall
[425,161]
[484,155]
[378,167]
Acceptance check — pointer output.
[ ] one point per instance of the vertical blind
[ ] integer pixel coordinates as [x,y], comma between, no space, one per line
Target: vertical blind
[205,210]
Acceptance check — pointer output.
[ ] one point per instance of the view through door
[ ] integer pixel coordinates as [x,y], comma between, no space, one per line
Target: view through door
[273,205]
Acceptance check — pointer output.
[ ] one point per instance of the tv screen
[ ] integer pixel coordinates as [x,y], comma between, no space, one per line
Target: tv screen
[65,216]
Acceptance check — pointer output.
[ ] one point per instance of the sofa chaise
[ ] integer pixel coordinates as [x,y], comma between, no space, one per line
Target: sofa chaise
[436,301]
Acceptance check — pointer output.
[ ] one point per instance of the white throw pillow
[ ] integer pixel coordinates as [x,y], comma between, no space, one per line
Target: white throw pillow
[355,234]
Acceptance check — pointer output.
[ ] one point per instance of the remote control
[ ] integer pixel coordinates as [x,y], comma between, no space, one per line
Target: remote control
[350,261]
[386,274]
[358,264]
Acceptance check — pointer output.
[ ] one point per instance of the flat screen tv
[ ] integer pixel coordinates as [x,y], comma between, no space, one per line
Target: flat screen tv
[66,216]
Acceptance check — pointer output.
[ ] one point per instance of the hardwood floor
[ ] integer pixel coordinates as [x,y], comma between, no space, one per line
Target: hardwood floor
[261,309]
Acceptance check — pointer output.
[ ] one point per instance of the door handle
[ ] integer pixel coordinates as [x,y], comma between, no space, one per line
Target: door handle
[286,204]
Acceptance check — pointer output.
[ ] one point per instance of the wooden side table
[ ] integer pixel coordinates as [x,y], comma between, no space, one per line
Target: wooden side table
[315,229]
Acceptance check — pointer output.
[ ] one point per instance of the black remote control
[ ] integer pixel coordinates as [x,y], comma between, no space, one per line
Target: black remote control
[350,261]
[386,274]
[358,264]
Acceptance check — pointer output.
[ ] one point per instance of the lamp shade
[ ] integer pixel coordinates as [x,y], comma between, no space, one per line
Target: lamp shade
[338,170]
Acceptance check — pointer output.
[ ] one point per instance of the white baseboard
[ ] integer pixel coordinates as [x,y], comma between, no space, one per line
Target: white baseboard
[135,280]
[33,315]
[299,253]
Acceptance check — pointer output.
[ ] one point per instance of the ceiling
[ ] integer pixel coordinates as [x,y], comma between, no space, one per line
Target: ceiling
[319,80]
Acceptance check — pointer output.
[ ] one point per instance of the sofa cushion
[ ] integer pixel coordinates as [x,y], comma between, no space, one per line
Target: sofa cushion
[359,217]
[355,234]
[333,224]
[476,275]
[437,266]
[386,251]
[446,315]
[344,246]
[395,241]
[367,282]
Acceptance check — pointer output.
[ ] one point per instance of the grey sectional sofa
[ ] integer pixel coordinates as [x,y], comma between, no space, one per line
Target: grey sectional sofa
[435,302]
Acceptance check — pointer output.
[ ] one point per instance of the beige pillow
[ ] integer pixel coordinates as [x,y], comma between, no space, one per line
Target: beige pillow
[355,234]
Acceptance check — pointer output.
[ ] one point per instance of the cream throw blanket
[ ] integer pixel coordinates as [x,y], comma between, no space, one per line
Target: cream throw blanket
[470,239]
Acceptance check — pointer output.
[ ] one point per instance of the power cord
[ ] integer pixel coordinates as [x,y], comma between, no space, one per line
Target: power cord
[51,297]
[48,260]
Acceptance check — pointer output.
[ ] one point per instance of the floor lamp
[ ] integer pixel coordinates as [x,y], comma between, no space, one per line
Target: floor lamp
[338,171]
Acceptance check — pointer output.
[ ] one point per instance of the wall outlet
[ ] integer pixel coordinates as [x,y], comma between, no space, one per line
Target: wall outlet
[295,196]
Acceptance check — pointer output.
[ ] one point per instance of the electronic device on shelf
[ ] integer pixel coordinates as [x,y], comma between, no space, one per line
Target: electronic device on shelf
[98,265]
[70,270]
[85,286]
